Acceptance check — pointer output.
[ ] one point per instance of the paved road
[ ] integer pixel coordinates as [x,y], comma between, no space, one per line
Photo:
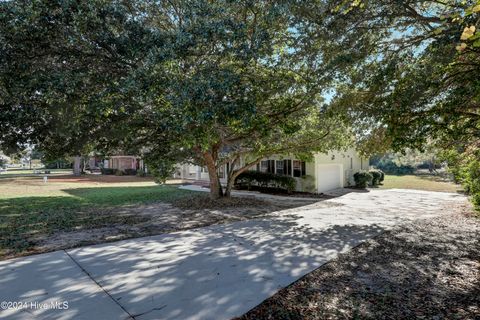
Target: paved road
[216,272]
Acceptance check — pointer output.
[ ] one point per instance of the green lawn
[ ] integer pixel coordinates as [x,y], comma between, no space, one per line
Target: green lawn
[31,208]
[419,182]
[14,172]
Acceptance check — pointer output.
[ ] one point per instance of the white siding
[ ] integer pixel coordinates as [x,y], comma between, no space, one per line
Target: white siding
[350,160]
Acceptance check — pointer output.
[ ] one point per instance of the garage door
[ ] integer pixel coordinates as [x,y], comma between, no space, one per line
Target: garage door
[329,177]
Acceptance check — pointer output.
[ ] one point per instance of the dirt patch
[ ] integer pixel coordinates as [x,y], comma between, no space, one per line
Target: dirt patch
[426,270]
[134,221]
[205,202]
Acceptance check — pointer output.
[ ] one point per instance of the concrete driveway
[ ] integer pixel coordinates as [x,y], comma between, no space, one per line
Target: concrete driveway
[216,272]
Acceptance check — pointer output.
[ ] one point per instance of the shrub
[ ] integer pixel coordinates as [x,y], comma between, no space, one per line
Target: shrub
[119,172]
[265,180]
[362,179]
[58,164]
[107,171]
[465,168]
[382,177]
[392,168]
[470,179]
[141,173]
[376,176]
[130,172]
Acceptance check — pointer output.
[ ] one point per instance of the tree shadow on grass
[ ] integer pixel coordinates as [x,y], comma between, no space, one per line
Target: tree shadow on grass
[26,221]
[92,215]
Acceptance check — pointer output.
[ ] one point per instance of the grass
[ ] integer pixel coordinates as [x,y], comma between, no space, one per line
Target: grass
[25,172]
[30,208]
[420,182]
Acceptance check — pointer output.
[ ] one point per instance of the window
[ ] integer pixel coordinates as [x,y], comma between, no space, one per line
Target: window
[267,166]
[299,168]
[288,167]
[279,169]
[264,166]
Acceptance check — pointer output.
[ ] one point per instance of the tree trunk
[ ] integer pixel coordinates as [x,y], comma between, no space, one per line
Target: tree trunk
[77,171]
[216,191]
[230,184]
[233,174]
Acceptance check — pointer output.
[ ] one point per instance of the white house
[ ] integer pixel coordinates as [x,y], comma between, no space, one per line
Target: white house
[325,172]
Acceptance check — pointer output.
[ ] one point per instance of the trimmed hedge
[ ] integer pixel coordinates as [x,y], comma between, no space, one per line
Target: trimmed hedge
[363,179]
[376,177]
[265,180]
[382,178]
[117,172]
[108,171]
[130,172]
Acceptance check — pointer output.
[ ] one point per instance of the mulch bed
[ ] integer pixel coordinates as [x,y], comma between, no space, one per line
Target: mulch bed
[426,270]
[281,192]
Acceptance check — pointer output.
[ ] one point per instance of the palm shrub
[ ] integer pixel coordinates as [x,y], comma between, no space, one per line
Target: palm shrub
[362,178]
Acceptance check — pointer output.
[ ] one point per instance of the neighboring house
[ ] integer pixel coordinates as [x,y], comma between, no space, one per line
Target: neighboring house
[120,162]
[325,172]
[95,163]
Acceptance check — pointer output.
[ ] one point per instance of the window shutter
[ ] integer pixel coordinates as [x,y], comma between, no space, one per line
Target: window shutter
[304,169]
[288,171]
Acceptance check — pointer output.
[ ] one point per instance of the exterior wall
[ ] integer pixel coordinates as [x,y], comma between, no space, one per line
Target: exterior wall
[122,162]
[187,171]
[190,171]
[349,159]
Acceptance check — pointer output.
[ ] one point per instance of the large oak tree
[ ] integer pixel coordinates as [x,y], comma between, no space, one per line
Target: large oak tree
[199,81]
